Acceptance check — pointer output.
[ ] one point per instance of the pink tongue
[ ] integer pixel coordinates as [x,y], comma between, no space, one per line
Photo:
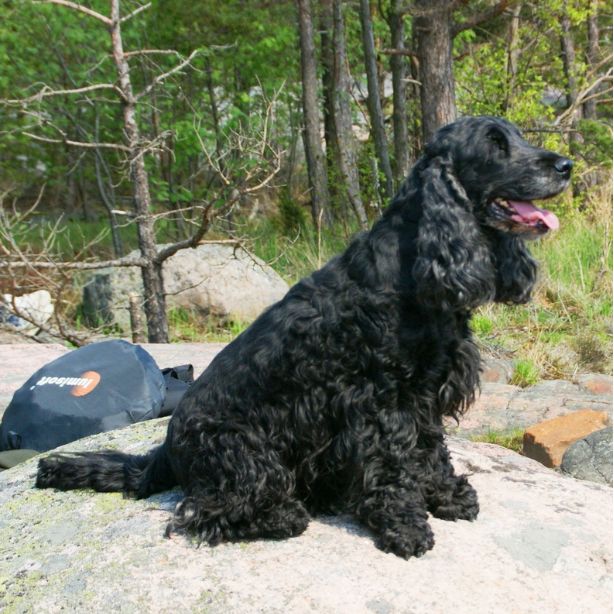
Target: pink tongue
[528,212]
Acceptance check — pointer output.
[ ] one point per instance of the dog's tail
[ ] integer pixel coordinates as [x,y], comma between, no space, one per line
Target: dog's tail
[108,471]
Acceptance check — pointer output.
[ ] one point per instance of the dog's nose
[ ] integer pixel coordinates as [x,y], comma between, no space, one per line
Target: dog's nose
[564,166]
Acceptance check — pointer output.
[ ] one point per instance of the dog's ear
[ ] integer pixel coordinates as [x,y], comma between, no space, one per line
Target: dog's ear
[516,271]
[454,267]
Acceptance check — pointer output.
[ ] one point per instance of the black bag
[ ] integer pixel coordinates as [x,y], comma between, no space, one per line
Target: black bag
[177,380]
[99,387]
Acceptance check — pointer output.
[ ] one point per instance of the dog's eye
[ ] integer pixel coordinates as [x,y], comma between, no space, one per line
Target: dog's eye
[499,140]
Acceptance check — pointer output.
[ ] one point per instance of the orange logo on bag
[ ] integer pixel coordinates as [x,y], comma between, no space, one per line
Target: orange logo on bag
[90,380]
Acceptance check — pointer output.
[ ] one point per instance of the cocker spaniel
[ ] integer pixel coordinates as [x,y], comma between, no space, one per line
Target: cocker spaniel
[332,400]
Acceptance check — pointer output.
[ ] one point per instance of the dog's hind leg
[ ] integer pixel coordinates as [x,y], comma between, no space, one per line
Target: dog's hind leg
[235,519]
[236,493]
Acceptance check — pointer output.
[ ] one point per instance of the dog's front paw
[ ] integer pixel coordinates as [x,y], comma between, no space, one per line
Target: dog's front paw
[407,541]
[463,504]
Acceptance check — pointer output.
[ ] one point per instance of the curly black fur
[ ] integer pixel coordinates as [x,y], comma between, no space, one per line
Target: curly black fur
[332,401]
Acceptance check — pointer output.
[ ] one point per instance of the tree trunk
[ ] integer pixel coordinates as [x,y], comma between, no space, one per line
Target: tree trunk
[118,248]
[215,116]
[165,164]
[373,101]
[513,53]
[316,163]
[433,24]
[568,55]
[327,60]
[592,55]
[154,299]
[399,97]
[107,197]
[294,118]
[70,191]
[342,117]
[416,145]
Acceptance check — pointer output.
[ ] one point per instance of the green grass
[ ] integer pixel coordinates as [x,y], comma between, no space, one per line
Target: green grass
[298,254]
[507,439]
[526,373]
[482,325]
[191,326]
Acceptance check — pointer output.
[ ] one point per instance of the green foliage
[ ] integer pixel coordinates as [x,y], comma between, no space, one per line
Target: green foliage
[243,61]
[486,87]
[481,325]
[369,174]
[596,145]
[525,373]
[292,217]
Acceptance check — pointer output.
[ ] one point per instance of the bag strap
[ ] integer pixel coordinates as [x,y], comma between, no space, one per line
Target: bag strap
[177,380]
[184,373]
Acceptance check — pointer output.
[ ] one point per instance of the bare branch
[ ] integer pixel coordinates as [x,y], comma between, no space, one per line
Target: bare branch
[167,74]
[78,7]
[192,241]
[61,333]
[129,54]
[237,242]
[47,92]
[588,93]
[82,266]
[244,144]
[135,12]
[77,143]
[405,52]
[191,208]
[486,15]
[266,180]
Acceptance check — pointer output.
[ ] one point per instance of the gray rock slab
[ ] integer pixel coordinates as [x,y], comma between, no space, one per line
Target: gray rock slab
[503,407]
[557,397]
[497,370]
[590,458]
[542,543]
[595,382]
[19,361]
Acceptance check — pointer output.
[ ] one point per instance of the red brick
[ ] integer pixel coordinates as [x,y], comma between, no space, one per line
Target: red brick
[547,441]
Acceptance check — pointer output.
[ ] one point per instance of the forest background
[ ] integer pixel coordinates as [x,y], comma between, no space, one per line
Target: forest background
[286,126]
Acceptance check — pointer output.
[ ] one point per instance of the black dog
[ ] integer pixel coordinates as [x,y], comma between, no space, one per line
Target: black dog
[332,401]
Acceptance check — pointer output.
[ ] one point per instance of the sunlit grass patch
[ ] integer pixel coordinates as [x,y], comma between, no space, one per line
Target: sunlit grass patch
[507,439]
[526,373]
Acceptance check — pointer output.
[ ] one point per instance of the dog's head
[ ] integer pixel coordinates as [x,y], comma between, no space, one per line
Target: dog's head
[502,174]
[473,193]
